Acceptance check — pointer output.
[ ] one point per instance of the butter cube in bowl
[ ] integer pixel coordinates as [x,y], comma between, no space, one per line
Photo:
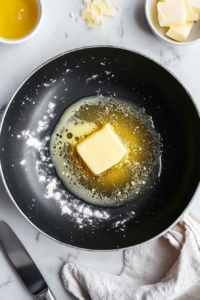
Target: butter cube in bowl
[174,21]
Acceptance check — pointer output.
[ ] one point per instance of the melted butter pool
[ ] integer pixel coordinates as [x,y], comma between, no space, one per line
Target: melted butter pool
[130,178]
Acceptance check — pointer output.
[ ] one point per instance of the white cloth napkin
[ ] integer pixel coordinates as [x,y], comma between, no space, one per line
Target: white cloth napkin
[166,268]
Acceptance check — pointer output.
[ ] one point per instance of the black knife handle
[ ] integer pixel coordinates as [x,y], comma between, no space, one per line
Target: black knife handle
[46,295]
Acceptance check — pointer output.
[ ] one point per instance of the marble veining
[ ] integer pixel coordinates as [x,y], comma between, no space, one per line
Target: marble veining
[69,257]
[37,236]
[170,56]
[121,29]
[59,33]
[8,281]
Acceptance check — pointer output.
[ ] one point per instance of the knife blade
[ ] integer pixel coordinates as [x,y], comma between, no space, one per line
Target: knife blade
[23,263]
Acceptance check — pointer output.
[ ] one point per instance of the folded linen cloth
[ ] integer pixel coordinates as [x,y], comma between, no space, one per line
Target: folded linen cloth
[165,268]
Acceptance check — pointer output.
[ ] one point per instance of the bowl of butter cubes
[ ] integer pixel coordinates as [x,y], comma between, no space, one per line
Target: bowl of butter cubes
[174,21]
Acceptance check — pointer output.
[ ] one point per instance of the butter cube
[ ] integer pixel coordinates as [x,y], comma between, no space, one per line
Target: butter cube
[195,4]
[171,13]
[180,33]
[190,14]
[102,150]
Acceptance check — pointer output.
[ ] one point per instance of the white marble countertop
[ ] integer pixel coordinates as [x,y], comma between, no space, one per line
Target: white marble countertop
[59,32]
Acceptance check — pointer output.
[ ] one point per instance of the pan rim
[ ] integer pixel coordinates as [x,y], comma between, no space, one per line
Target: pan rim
[12,98]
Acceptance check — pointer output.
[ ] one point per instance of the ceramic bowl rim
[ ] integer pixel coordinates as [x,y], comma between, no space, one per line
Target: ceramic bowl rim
[161,37]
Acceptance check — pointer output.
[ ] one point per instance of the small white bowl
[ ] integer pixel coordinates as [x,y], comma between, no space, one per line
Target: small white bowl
[35,29]
[152,19]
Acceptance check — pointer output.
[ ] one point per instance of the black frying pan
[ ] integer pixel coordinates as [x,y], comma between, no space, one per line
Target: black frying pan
[62,81]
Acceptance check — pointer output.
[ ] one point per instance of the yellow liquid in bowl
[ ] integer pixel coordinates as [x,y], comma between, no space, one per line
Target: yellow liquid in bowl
[17,18]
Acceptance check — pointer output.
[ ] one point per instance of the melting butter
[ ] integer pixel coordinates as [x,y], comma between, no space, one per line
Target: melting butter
[101,150]
[79,129]
[132,176]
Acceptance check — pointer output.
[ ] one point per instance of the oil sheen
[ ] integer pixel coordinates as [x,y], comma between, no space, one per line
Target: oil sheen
[17,18]
[130,178]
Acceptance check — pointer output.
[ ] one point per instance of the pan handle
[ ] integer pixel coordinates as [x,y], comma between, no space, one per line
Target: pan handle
[46,295]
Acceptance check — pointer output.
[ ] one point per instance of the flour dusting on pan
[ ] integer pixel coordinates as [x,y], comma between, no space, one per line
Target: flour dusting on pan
[75,208]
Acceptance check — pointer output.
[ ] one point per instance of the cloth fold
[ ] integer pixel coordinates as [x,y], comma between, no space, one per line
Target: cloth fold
[165,268]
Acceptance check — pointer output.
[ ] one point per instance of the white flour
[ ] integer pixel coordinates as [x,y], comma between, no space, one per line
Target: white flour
[92,78]
[76,209]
